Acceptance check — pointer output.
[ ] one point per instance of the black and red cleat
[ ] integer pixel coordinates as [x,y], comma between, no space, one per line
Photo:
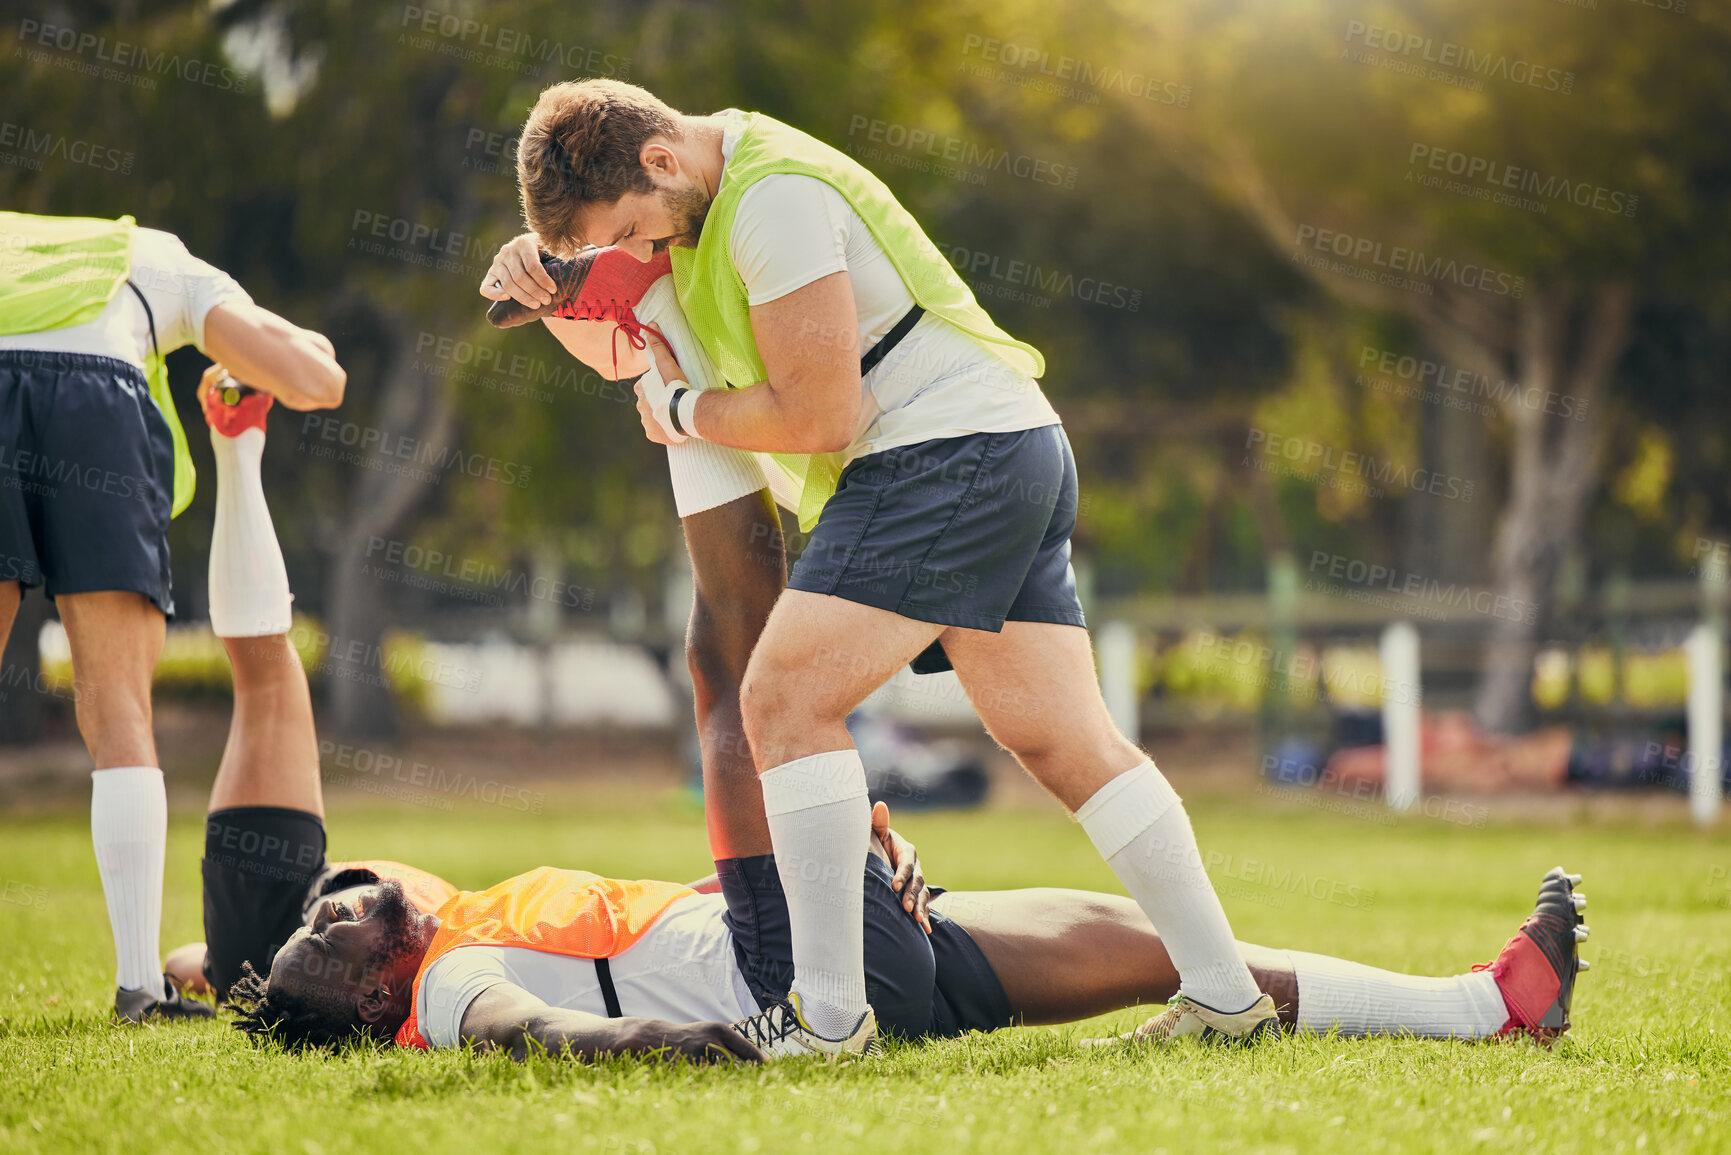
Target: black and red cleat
[1537,967]
[234,408]
[595,285]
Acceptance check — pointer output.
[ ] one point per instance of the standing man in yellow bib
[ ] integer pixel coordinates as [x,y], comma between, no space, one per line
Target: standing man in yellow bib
[93,465]
[938,488]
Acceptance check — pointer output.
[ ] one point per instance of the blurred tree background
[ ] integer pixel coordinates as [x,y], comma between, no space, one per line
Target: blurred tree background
[1154,193]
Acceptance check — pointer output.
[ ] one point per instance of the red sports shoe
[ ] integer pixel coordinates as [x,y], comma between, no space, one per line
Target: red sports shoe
[235,408]
[595,285]
[1536,970]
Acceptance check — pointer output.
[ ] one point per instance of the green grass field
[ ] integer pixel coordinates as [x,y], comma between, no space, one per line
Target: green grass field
[1645,1069]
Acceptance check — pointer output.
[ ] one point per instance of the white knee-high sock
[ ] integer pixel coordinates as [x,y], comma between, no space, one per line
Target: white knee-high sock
[249,587]
[1334,994]
[129,825]
[1139,826]
[820,822]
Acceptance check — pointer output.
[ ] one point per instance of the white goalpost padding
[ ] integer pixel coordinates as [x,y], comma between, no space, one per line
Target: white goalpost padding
[1706,723]
[1400,715]
[1116,645]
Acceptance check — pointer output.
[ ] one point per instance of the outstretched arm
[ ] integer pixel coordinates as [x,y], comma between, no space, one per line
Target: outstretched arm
[296,366]
[510,1019]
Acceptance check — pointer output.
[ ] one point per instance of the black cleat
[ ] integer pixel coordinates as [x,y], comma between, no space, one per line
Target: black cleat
[139,1005]
[1537,967]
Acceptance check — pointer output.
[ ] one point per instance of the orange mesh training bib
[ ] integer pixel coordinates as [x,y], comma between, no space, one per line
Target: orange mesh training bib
[568,912]
[427,892]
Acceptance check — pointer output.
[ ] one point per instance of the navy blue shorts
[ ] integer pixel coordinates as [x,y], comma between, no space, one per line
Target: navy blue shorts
[86,476]
[921,986]
[966,531]
[260,864]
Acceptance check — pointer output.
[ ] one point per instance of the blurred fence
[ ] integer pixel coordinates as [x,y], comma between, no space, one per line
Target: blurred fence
[1625,658]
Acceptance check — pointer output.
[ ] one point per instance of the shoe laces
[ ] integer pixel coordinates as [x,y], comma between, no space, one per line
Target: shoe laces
[610,309]
[619,312]
[769,1027]
[1162,1025]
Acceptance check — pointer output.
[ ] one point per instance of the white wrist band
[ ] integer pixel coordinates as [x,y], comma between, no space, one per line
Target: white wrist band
[688,412]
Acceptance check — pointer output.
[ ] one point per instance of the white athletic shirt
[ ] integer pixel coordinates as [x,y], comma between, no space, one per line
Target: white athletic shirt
[181,290]
[791,230]
[683,970]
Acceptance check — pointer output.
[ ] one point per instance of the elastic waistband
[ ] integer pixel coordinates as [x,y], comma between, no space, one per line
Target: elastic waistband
[273,841]
[60,361]
[759,871]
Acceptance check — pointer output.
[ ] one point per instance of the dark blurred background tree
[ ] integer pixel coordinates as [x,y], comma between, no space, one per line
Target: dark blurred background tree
[1313,118]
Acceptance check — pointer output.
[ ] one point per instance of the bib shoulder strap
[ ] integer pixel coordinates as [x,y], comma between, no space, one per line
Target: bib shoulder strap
[149,316]
[609,996]
[890,340]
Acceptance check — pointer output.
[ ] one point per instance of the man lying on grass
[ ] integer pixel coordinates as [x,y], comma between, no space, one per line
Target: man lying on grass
[315,953]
